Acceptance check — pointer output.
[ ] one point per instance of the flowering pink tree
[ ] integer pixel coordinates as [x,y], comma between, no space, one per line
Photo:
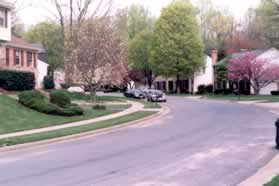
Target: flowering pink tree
[258,71]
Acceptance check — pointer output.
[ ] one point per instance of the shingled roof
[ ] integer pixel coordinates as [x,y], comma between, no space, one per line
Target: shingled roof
[5,4]
[20,43]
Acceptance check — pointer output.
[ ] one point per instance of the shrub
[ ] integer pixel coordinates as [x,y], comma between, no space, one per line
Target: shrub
[72,111]
[36,101]
[201,89]
[28,98]
[60,98]
[17,80]
[65,85]
[49,83]
[228,91]
[275,93]
[99,107]
[223,91]
[218,91]
[209,89]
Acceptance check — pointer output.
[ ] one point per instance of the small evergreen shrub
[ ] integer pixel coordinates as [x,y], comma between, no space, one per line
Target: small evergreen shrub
[201,89]
[99,107]
[17,80]
[60,98]
[209,89]
[49,83]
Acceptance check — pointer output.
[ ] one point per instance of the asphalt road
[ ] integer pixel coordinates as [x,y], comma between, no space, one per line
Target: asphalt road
[199,143]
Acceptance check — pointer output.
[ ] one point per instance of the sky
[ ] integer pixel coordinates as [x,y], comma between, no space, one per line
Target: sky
[40,9]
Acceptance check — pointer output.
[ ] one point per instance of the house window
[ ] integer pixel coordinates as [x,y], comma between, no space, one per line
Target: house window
[18,57]
[2,17]
[29,58]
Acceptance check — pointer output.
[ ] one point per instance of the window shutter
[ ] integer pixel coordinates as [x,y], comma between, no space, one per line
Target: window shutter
[22,58]
[6,18]
[14,56]
[7,56]
[35,59]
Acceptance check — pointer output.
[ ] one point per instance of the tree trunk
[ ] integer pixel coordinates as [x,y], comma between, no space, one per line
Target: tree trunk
[178,84]
[150,79]
[257,91]
[92,93]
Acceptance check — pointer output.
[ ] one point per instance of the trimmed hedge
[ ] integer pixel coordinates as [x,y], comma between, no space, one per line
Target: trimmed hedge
[17,80]
[49,83]
[60,98]
[275,93]
[36,101]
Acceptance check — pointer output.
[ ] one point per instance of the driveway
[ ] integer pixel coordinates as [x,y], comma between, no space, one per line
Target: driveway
[199,143]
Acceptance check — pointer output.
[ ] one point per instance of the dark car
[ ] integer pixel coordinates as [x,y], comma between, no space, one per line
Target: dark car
[134,93]
[156,96]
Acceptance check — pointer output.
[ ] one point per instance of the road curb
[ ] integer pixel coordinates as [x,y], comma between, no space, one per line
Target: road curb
[165,110]
[264,175]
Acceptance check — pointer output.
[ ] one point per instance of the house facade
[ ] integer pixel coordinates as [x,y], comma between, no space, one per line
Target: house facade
[190,84]
[271,55]
[16,53]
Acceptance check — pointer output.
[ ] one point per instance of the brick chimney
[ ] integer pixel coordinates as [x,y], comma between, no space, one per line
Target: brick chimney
[214,57]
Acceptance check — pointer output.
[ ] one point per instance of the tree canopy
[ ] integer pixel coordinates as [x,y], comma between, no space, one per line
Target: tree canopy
[139,19]
[49,35]
[178,48]
[140,54]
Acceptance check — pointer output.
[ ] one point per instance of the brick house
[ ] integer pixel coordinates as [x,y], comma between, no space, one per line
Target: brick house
[15,53]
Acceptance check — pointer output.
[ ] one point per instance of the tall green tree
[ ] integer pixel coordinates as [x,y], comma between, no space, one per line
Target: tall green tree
[267,17]
[49,35]
[140,55]
[139,19]
[178,48]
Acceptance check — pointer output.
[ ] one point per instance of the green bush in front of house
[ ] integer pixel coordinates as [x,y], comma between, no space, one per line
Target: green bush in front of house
[49,83]
[36,101]
[17,80]
[60,98]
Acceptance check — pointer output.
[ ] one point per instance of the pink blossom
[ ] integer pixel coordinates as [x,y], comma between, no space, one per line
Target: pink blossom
[260,72]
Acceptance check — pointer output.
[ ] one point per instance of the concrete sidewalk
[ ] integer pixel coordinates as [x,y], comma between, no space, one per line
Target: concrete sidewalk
[264,175]
[134,108]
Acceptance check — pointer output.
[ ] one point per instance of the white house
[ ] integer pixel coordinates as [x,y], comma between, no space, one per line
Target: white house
[190,85]
[42,72]
[272,56]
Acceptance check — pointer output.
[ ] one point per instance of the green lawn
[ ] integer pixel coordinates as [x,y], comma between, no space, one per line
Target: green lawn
[245,98]
[147,104]
[15,117]
[75,130]
[274,182]
[85,97]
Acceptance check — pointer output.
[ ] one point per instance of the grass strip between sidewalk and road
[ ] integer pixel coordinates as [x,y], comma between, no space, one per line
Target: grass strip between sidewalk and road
[75,130]
[274,182]
[147,104]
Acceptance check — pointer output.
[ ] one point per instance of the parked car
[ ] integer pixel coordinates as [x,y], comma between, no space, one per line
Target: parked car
[156,96]
[129,94]
[135,93]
